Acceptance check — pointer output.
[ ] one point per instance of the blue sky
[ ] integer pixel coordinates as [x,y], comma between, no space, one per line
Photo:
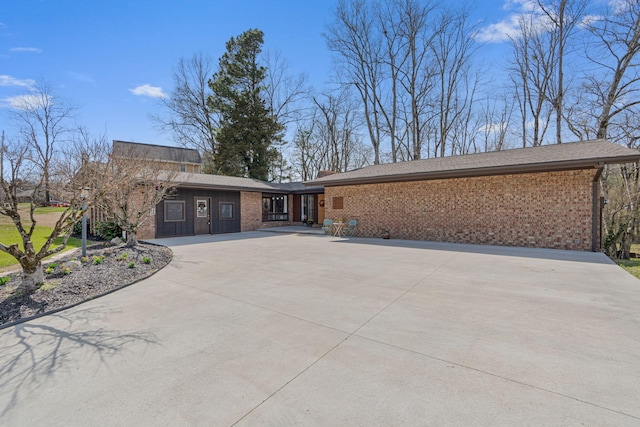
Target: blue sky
[114,58]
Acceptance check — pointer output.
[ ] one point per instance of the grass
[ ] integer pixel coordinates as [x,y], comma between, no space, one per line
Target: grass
[631,265]
[43,210]
[9,235]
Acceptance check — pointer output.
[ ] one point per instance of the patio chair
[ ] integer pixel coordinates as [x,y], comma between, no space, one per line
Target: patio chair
[350,230]
[327,226]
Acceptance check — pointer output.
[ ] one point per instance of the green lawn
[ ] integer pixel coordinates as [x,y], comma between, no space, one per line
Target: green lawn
[631,265]
[9,235]
[43,209]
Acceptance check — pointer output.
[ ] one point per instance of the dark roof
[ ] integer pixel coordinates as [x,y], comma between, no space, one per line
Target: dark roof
[222,182]
[157,152]
[568,156]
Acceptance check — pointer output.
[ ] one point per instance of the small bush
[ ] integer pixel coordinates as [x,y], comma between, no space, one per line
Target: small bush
[50,270]
[98,259]
[84,259]
[147,260]
[108,229]
[77,227]
[132,265]
[123,256]
[66,270]
[48,286]
[52,265]
[4,280]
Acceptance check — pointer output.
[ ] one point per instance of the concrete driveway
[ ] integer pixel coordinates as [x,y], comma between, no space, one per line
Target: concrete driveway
[287,330]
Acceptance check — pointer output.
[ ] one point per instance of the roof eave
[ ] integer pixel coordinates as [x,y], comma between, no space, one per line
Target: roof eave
[486,171]
[223,187]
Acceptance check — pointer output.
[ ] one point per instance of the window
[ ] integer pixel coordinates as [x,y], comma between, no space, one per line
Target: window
[183,168]
[201,209]
[308,207]
[226,210]
[274,207]
[337,203]
[173,210]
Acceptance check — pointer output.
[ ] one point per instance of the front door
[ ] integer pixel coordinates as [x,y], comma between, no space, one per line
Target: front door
[203,215]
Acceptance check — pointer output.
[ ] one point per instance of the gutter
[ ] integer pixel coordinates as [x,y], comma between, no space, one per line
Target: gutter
[335,180]
[595,223]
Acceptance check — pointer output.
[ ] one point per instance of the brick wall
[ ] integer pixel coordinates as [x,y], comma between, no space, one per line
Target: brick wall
[148,229]
[250,211]
[547,210]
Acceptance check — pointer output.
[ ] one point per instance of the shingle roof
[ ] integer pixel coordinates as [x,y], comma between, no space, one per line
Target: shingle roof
[221,182]
[157,152]
[574,155]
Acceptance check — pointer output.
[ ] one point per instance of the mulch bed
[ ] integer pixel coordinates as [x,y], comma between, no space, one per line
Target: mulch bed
[71,280]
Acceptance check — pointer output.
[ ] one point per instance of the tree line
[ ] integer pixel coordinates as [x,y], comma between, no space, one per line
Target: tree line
[409,83]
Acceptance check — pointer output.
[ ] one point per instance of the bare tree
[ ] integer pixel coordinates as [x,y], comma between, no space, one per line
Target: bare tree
[534,64]
[285,93]
[358,45]
[44,123]
[132,188]
[453,48]
[187,117]
[497,113]
[330,140]
[617,44]
[19,172]
[418,32]
[563,17]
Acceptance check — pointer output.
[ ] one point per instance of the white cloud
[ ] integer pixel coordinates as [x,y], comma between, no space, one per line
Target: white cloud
[501,31]
[25,102]
[6,80]
[509,27]
[26,49]
[148,90]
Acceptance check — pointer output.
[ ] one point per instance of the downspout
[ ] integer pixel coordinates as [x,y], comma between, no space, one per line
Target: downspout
[595,214]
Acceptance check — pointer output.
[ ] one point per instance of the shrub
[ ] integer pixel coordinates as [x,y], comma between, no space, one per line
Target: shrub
[98,259]
[123,256]
[132,265]
[77,227]
[66,270]
[147,260]
[108,229]
[4,280]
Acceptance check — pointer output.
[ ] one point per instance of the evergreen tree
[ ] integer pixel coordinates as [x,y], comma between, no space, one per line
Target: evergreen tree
[248,129]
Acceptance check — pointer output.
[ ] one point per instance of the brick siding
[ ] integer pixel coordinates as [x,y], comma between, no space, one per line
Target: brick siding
[148,229]
[546,210]
[250,211]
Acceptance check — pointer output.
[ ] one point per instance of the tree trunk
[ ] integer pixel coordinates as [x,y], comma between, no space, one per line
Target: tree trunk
[132,239]
[32,277]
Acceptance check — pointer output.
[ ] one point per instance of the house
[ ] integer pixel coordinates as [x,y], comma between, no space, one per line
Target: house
[169,158]
[546,197]
[211,204]
[543,197]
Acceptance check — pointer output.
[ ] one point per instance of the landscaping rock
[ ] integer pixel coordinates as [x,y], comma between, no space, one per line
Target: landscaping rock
[73,264]
[89,281]
[116,241]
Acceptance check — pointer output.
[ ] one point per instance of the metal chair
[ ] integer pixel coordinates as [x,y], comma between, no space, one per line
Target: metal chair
[327,226]
[350,230]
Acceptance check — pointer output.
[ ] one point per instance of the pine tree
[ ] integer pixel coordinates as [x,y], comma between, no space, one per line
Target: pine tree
[248,130]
